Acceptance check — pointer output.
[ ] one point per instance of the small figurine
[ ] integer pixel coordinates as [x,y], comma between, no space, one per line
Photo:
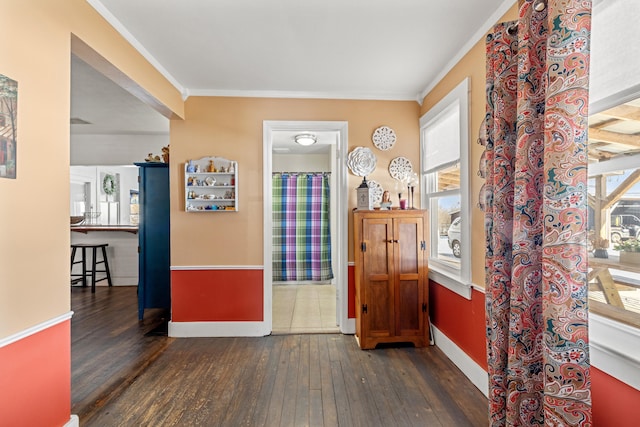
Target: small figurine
[152,158]
[212,167]
[386,201]
[165,154]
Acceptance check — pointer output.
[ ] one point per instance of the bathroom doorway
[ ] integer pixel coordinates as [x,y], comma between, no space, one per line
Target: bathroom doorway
[305,295]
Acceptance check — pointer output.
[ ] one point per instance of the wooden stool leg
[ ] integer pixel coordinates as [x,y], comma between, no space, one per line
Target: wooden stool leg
[106,265]
[93,270]
[84,267]
[73,257]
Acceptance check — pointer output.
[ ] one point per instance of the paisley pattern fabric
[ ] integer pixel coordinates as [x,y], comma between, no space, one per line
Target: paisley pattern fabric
[536,217]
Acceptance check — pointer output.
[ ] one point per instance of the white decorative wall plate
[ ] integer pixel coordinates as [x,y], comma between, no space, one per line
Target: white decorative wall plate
[361,161]
[482,133]
[482,167]
[383,138]
[375,191]
[400,168]
[485,196]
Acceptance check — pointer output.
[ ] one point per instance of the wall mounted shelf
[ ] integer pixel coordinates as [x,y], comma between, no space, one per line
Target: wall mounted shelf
[211,185]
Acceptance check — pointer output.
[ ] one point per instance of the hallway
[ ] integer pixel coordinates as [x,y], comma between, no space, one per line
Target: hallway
[304,309]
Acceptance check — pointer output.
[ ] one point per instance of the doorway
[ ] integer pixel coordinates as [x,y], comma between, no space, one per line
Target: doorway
[304,305]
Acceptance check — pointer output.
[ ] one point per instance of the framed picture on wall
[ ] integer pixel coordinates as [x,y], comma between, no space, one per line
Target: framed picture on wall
[8,126]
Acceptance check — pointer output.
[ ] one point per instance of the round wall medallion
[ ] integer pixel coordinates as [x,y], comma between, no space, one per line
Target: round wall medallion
[400,168]
[482,133]
[375,192]
[485,197]
[482,167]
[361,161]
[383,138]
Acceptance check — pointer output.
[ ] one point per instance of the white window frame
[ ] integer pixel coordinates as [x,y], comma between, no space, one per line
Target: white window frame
[456,280]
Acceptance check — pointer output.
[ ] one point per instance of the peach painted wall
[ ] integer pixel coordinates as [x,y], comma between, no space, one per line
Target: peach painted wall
[35,206]
[34,263]
[232,128]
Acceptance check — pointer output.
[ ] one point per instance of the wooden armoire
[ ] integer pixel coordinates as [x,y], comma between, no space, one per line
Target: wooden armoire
[391,277]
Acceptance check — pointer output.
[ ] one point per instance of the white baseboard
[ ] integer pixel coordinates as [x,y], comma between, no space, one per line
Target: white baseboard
[615,349]
[476,374]
[217,329]
[349,327]
[74,421]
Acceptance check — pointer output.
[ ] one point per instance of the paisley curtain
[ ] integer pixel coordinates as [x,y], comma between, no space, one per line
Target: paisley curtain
[536,216]
[301,232]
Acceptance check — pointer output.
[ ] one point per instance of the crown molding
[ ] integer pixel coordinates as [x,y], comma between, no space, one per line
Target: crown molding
[400,96]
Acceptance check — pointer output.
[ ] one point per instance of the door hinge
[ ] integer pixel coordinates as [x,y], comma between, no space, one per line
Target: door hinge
[363,247]
[364,308]
[423,245]
[424,307]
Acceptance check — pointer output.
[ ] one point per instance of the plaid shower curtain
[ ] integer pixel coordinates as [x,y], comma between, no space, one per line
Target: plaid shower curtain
[536,216]
[301,233]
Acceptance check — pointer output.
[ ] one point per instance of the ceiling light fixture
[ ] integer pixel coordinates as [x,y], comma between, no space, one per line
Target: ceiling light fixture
[306,139]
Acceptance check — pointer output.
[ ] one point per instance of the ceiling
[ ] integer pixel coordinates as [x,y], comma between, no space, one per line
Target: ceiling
[352,49]
[108,109]
[355,49]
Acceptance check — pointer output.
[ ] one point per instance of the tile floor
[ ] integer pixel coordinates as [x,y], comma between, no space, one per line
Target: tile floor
[304,309]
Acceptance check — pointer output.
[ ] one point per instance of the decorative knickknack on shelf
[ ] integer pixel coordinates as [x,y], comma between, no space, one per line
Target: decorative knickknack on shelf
[364,199]
[211,185]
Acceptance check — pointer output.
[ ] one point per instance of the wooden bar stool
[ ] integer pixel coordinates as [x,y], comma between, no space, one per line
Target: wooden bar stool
[82,277]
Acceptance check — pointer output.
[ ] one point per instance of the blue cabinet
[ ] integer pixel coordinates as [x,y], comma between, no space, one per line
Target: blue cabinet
[154,278]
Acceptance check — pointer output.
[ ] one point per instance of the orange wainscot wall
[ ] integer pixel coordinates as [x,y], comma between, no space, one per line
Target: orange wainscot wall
[460,319]
[463,321]
[351,297]
[35,373]
[217,295]
[614,402]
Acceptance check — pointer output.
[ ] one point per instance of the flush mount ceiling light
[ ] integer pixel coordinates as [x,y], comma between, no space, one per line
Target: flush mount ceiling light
[306,139]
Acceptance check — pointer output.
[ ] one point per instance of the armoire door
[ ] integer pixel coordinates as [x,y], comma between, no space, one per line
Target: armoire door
[377,262]
[409,276]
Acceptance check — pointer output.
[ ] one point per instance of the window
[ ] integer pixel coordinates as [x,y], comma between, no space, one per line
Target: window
[614,212]
[614,191]
[444,144]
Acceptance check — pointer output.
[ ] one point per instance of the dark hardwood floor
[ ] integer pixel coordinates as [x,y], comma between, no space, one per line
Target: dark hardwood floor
[126,374]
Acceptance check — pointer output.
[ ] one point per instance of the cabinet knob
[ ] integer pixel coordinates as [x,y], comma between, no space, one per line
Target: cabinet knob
[392,241]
